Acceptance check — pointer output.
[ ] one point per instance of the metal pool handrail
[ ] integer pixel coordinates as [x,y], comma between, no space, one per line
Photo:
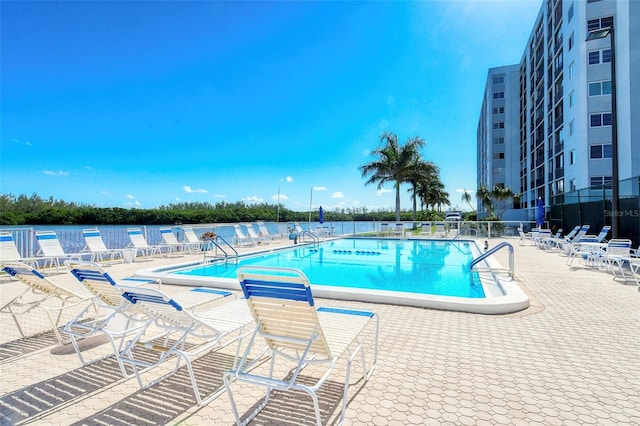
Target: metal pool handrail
[215,243]
[488,253]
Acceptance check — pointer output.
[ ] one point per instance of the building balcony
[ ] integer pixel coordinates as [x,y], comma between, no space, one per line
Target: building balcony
[558,122]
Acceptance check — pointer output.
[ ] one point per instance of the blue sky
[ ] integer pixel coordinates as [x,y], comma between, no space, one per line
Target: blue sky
[152,103]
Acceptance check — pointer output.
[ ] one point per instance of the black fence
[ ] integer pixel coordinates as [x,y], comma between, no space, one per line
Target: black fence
[593,207]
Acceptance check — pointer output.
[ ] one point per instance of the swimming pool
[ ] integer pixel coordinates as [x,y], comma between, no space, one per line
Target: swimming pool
[426,273]
[411,266]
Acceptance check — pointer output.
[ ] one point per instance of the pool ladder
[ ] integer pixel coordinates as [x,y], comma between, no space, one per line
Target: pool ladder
[488,253]
[219,242]
[314,237]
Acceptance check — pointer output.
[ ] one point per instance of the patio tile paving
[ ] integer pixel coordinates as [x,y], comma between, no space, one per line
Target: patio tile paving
[573,357]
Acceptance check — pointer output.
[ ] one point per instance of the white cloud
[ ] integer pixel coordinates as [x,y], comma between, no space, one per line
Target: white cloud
[58,173]
[383,191]
[253,199]
[337,194]
[289,179]
[190,190]
[131,197]
[220,196]
[319,188]
[282,197]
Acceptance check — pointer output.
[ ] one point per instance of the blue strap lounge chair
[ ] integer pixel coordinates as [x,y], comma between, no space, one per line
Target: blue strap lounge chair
[96,246]
[297,333]
[139,242]
[185,334]
[120,320]
[41,292]
[595,238]
[52,251]
[9,251]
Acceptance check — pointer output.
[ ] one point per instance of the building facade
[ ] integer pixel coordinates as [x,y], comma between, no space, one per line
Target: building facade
[565,142]
[498,130]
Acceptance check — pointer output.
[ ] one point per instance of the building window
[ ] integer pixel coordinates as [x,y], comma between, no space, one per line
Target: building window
[572,156]
[570,13]
[571,70]
[498,170]
[598,23]
[600,182]
[571,99]
[498,110]
[498,79]
[572,185]
[498,155]
[499,125]
[600,151]
[600,88]
[600,119]
[499,140]
[498,95]
[571,41]
[601,56]
[572,127]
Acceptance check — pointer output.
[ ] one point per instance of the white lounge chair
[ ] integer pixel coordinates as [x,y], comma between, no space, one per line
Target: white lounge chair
[264,232]
[616,254]
[96,246]
[384,229]
[51,250]
[241,239]
[299,334]
[253,235]
[564,245]
[120,320]
[596,238]
[171,243]
[9,252]
[191,238]
[398,230]
[540,237]
[139,242]
[441,230]
[40,292]
[185,335]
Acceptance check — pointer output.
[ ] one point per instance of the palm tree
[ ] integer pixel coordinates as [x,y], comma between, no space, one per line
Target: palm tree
[484,195]
[466,197]
[499,193]
[424,174]
[395,163]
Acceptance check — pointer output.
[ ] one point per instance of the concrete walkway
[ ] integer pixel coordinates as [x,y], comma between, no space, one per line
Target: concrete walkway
[573,357]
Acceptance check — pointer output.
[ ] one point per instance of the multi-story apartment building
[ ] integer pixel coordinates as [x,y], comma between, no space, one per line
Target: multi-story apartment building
[563,152]
[498,130]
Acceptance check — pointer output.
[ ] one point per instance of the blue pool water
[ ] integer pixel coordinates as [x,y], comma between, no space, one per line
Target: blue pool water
[412,266]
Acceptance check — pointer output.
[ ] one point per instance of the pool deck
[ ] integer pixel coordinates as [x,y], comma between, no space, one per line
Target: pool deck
[572,357]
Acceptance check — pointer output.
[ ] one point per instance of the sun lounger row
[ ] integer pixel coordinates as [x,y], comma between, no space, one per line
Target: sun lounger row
[276,320]
[52,255]
[615,256]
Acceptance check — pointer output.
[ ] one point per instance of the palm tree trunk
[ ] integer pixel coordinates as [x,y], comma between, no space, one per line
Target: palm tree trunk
[415,206]
[397,201]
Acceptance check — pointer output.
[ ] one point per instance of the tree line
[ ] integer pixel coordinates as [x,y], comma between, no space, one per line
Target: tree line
[36,210]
